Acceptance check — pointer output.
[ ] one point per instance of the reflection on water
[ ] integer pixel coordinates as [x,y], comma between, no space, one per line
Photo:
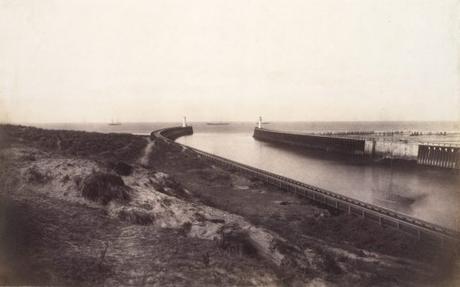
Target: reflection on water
[428,194]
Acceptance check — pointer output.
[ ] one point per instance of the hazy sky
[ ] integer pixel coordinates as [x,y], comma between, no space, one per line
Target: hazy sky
[74,61]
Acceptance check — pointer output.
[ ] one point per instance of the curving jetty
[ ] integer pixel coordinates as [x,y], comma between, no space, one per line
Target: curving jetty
[420,229]
[172,133]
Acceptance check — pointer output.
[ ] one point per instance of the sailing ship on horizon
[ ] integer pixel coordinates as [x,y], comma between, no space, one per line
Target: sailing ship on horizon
[114,123]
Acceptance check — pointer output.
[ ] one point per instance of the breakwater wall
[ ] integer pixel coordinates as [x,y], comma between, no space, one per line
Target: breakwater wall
[325,143]
[444,156]
[420,229]
[378,149]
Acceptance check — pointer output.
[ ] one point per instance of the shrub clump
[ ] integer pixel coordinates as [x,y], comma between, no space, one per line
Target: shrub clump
[122,168]
[236,241]
[104,187]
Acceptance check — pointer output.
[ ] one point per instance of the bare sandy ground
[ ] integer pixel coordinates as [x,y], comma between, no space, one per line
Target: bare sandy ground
[187,223]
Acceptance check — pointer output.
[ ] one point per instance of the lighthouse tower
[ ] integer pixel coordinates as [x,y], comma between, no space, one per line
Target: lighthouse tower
[184,122]
[259,124]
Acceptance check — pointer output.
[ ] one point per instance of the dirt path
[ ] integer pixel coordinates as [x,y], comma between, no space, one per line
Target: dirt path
[144,159]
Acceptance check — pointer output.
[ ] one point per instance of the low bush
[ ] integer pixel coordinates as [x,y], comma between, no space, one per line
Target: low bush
[122,168]
[237,242]
[103,188]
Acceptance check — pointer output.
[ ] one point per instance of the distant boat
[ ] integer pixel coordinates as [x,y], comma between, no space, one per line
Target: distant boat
[116,123]
[217,124]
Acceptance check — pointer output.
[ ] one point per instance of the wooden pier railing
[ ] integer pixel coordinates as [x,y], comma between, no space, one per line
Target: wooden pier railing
[447,156]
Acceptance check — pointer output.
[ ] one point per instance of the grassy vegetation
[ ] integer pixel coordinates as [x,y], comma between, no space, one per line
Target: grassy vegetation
[125,147]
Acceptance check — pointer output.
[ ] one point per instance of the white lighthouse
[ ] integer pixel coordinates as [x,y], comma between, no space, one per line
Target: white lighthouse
[259,124]
[184,122]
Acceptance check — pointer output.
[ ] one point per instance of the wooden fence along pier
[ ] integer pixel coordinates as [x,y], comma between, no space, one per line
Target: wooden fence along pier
[439,155]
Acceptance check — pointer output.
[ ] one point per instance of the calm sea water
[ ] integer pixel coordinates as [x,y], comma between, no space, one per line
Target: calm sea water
[426,193]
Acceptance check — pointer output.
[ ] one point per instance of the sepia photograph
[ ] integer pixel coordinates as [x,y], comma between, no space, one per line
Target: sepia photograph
[236,143]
